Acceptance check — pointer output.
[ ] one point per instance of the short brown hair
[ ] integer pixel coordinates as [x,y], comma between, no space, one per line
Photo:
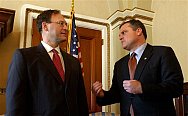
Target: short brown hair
[135,24]
[45,16]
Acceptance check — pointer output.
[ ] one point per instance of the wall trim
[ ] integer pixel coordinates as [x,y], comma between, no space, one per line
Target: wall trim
[118,16]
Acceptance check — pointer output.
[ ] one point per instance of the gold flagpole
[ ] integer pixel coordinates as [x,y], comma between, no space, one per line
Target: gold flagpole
[70,28]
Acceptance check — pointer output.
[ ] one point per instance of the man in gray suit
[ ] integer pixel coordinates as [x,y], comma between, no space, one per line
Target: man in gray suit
[157,78]
[36,85]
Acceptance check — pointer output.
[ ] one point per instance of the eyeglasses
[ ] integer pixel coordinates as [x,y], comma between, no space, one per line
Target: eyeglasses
[61,23]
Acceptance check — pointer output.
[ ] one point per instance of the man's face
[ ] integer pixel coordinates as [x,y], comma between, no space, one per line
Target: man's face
[128,37]
[57,29]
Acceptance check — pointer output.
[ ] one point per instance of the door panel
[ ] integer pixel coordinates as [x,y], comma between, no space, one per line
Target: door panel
[91,48]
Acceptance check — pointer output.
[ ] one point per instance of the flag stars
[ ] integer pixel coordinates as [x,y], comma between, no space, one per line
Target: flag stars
[74,42]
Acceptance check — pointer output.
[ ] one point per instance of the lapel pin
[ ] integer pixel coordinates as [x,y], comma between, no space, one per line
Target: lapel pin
[145,58]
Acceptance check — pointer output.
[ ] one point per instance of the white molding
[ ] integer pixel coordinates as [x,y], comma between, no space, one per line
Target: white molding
[131,13]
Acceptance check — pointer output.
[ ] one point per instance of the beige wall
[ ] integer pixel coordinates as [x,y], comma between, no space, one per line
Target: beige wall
[170,27]
[7,47]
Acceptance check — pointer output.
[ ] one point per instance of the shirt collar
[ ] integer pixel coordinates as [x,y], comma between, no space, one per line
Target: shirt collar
[49,48]
[139,51]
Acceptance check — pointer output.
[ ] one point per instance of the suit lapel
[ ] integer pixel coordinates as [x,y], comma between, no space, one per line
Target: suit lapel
[46,60]
[143,61]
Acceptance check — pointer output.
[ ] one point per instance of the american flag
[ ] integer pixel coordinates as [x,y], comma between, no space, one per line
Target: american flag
[73,45]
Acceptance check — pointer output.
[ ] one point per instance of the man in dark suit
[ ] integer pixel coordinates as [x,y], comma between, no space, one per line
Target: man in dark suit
[35,86]
[156,81]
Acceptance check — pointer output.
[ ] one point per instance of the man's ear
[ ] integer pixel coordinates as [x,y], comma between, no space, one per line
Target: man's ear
[44,26]
[139,31]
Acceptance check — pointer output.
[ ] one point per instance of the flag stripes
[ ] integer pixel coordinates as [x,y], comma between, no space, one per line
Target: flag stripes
[73,45]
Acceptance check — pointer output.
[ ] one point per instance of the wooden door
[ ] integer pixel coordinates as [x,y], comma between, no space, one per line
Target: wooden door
[91,48]
[91,51]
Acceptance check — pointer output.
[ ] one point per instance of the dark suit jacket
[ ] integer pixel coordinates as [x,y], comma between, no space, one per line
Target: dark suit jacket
[35,88]
[161,78]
